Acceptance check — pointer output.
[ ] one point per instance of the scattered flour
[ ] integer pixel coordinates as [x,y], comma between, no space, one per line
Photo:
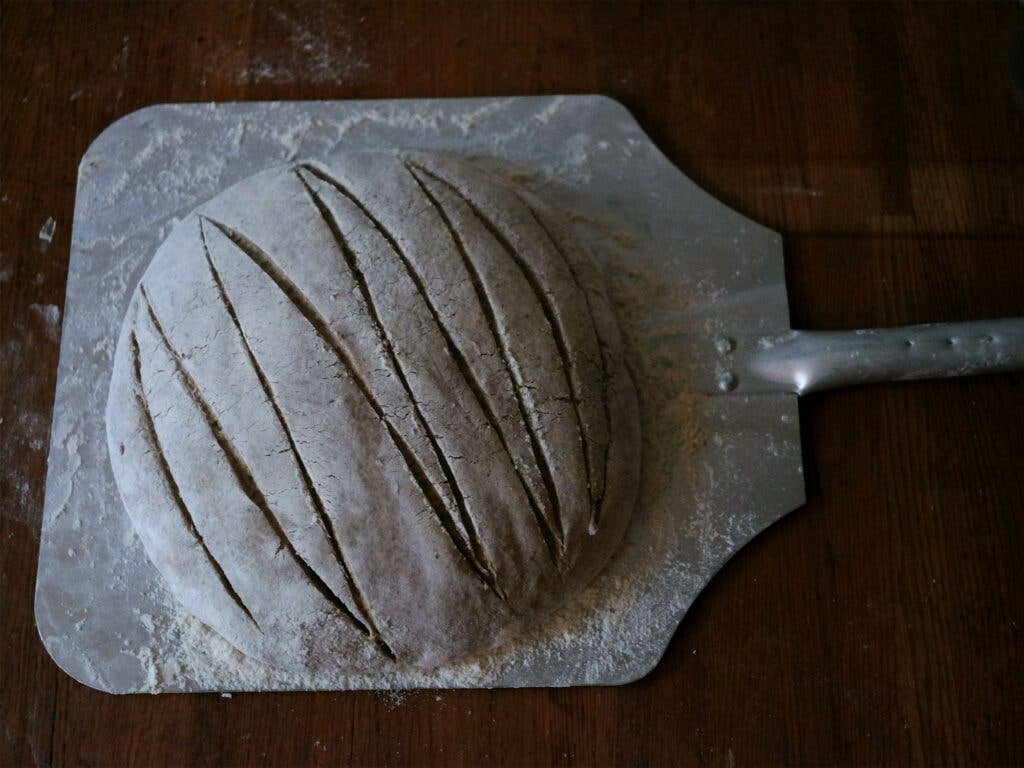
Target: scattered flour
[544,116]
[24,436]
[394,699]
[48,229]
[466,121]
[50,314]
[314,57]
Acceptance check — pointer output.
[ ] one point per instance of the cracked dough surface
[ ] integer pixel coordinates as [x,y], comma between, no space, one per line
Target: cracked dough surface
[373,411]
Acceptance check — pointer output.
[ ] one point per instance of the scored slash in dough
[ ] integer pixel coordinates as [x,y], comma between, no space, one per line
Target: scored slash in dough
[373,411]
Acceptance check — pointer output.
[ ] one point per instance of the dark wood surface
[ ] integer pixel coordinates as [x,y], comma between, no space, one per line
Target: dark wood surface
[880,624]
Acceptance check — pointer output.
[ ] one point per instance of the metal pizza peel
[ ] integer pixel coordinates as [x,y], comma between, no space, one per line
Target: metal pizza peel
[702,299]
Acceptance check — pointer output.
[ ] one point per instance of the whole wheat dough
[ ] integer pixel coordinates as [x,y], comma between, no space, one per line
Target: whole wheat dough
[373,411]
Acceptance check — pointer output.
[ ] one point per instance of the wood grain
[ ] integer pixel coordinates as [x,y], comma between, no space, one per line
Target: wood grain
[880,624]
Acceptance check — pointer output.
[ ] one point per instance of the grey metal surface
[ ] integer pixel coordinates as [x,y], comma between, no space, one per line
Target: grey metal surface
[717,470]
[809,361]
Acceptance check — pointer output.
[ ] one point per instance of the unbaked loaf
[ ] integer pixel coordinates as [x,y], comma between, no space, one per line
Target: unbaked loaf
[373,411]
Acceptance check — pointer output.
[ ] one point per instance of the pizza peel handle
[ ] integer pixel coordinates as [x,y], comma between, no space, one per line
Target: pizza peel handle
[799,362]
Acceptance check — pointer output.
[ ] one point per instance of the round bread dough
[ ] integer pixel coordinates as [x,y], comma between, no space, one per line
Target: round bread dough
[373,411]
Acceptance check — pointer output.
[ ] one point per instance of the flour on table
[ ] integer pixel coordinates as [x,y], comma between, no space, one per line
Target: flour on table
[48,229]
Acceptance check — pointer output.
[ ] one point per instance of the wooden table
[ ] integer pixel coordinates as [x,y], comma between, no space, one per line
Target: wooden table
[880,624]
